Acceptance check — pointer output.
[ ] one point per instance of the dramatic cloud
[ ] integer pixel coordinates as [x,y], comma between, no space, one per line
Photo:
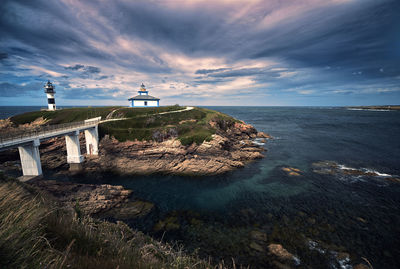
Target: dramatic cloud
[75,67]
[202,52]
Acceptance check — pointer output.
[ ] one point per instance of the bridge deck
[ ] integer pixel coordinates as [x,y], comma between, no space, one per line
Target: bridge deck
[14,139]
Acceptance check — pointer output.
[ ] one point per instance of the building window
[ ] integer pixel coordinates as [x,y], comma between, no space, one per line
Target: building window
[145,103]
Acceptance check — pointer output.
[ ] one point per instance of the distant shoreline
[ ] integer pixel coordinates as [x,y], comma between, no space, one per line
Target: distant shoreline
[395,107]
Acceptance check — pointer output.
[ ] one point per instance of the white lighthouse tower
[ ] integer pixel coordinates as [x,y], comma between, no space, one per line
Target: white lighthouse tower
[49,90]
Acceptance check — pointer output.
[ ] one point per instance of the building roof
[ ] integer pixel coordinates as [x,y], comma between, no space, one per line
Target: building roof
[143,97]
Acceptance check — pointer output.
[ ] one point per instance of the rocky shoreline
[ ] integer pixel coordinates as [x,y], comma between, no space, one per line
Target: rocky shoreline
[101,201]
[226,151]
[229,149]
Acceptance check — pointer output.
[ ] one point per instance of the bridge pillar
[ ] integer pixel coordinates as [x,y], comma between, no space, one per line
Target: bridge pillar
[92,141]
[73,148]
[30,159]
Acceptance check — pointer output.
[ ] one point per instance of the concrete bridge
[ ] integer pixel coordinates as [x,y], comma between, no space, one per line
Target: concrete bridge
[28,143]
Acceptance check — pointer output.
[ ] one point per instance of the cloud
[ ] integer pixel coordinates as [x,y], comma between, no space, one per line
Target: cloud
[3,56]
[210,50]
[93,69]
[75,67]
[208,71]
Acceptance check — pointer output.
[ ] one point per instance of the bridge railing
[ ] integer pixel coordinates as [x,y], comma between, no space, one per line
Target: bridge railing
[20,135]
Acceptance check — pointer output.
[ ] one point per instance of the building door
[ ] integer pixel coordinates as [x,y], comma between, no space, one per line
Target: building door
[145,103]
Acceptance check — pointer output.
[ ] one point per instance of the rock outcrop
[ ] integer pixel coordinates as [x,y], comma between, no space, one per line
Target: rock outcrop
[105,201]
[229,149]
[285,259]
[333,168]
[291,171]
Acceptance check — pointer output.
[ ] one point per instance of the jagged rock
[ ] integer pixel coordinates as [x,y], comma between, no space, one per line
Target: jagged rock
[393,179]
[283,256]
[226,151]
[96,200]
[291,171]
[333,168]
[129,210]
[263,135]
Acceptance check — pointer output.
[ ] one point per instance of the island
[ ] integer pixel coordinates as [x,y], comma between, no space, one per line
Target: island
[170,140]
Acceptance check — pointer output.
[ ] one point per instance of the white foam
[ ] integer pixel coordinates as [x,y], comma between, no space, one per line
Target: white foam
[365,170]
[296,260]
[343,167]
[312,245]
[345,263]
[258,142]
[377,173]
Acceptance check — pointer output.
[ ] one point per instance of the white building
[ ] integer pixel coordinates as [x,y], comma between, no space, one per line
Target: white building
[49,90]
[144,99]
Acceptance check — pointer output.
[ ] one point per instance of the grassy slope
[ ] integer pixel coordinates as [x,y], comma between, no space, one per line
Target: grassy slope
[36,234]
[81,113]
[142,123]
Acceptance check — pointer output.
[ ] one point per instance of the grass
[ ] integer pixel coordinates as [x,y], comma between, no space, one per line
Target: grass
[82,113]
[188,126]
[142,123]
[63,115]
[34,233]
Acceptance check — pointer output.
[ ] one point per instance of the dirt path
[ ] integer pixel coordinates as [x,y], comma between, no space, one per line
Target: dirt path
[108,117]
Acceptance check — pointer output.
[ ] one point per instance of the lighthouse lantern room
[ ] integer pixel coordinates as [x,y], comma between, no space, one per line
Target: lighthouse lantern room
[144,99]
[49,90]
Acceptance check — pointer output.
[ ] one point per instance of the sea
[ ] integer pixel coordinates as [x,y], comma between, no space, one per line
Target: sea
[340,208]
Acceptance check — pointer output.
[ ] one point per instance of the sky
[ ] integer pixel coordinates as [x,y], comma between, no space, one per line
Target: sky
[201,52]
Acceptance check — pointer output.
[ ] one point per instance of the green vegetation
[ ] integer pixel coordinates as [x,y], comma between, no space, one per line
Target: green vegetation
[34,233]
[82,113]
[63,115]
[190,126]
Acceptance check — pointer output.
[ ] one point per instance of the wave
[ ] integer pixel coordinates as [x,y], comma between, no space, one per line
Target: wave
[343,167]
[364,171]
[258,142]
[377,173]
[351,174]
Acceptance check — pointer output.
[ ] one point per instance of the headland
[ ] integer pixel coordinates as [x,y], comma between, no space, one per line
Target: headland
[171,140]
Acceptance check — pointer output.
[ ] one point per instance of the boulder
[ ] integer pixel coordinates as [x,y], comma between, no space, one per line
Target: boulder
[258,236]
[279,252]
[96,200]
[291,171]
[263,135]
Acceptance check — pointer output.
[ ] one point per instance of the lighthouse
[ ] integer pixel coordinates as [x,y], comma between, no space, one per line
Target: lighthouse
[49,90]
[144,99]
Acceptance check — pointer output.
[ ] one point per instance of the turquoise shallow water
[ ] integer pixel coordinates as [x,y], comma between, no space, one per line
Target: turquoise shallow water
[342,212]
